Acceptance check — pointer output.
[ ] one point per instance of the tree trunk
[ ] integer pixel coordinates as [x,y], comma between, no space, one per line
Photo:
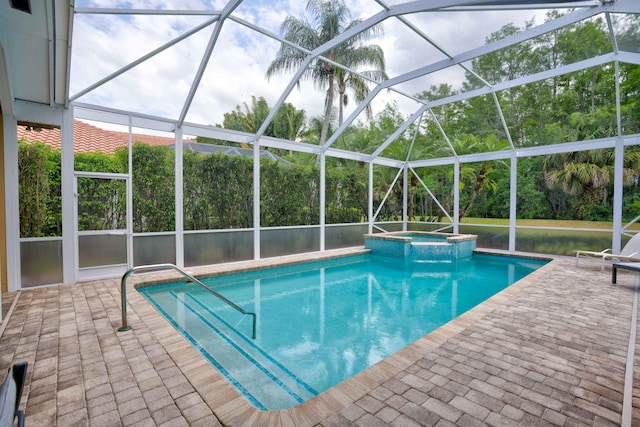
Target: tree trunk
[327,111]
[480,182]
[467,208]
[341,89]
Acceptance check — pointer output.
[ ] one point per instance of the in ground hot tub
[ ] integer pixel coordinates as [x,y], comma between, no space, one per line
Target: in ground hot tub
[421,246]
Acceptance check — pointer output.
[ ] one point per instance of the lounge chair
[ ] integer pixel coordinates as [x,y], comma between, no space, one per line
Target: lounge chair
[630,252]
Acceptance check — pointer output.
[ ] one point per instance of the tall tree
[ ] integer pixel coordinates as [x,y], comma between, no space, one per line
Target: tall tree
[287,123]
[363,56]
[328,19]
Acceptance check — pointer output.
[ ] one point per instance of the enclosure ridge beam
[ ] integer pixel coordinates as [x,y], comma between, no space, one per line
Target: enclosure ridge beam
[484,6]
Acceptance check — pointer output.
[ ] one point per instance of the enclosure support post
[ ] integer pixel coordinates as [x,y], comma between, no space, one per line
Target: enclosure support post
[370,207]
[256,200]
[69,220]
[456,195]
[12,212]
[323,189]
[513,189]
[129,207]
[405,198]
[617,195]
[618,173]
[179,198]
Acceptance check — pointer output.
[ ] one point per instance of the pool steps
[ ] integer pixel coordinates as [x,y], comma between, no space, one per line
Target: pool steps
[154,267]
[238,358]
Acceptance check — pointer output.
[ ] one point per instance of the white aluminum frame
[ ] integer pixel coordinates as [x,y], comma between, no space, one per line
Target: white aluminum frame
[53,114]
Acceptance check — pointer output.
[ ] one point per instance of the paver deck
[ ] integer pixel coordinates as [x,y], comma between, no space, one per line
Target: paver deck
[549,350]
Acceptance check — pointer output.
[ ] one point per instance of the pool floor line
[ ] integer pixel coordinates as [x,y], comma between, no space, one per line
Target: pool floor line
[243,353]
[251,343]
[209,357]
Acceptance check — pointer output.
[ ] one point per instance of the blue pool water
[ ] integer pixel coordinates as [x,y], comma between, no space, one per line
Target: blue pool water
[320,323]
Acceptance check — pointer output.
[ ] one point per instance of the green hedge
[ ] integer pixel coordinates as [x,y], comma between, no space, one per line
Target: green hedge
[218,191]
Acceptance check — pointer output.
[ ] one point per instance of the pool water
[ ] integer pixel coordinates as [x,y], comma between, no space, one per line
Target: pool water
[322,322]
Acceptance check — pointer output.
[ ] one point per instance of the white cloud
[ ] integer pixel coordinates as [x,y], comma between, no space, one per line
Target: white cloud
[236,71]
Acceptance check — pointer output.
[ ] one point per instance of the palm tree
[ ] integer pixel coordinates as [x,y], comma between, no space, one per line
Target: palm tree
[363,56]
[588,175]
[329,19]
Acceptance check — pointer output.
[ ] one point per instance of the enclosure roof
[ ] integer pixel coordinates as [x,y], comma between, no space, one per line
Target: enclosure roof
[162,67]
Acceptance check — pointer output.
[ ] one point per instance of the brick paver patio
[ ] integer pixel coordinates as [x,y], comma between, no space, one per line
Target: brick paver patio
[549,350]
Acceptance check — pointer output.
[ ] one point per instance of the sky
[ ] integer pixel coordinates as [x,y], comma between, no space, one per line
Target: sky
[103,44]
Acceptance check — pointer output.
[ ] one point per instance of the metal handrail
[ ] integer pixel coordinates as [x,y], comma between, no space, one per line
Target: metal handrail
[123,292]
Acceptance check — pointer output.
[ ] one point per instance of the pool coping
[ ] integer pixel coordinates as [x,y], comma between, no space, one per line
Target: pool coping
[231,408]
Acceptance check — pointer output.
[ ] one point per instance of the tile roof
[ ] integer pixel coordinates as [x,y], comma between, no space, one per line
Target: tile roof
[87,138]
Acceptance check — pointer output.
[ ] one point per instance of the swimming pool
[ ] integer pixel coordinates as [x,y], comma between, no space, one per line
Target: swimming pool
[320,323]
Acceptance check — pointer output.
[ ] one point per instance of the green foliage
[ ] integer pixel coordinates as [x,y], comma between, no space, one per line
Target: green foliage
[34,189]
[250,119]
[346,195]
[632,206]
[288,122]
[153,188]
[532,201]
[101,204]
[289,195]
[96,161]
[218,191]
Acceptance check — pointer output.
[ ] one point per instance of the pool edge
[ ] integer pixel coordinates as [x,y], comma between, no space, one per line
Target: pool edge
[231,408]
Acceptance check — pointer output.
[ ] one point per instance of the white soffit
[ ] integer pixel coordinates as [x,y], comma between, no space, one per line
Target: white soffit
[35,51]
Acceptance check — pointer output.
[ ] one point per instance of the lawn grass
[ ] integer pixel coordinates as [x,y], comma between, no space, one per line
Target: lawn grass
[551,223]
[561,237]
[546,236]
